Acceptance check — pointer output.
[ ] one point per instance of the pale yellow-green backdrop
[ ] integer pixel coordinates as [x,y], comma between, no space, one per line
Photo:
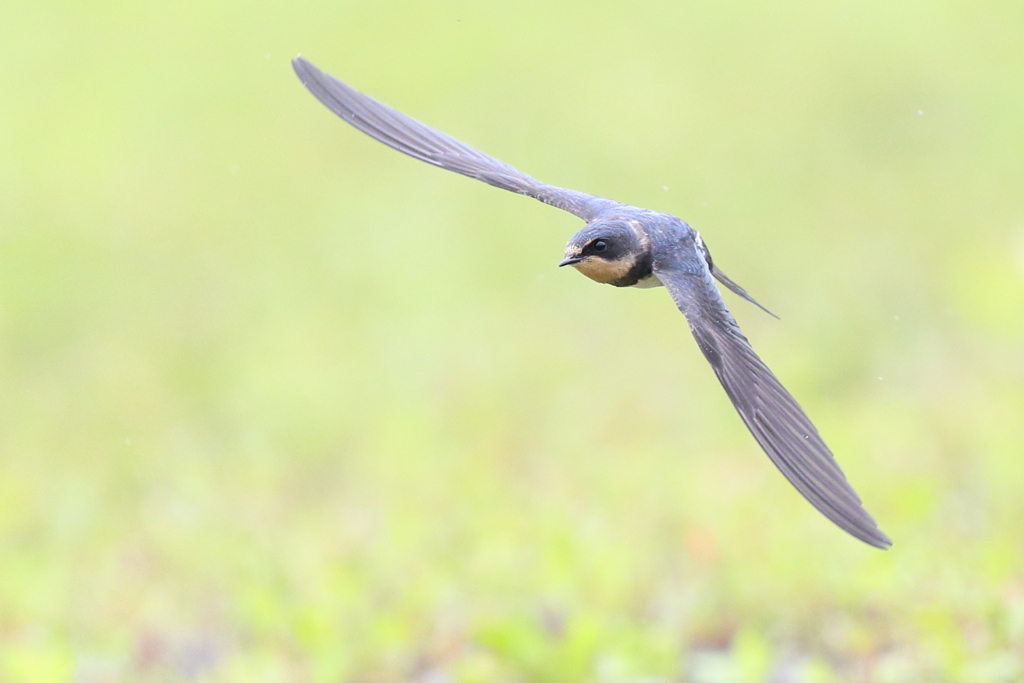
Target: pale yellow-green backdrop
[280,404]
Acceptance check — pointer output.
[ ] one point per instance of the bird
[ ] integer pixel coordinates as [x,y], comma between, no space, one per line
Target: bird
[628,246]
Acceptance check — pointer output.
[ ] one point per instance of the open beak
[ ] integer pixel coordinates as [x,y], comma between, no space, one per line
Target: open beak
[570,260]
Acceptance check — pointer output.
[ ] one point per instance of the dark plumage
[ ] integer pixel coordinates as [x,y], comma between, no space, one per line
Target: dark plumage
[628,246]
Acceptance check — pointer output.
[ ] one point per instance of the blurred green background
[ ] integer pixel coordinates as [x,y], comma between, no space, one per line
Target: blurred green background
[280,404]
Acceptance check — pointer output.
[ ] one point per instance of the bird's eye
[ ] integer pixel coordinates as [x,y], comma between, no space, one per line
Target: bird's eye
[599,245]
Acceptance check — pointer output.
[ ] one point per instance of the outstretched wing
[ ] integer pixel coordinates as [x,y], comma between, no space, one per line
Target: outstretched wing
[421,142]
[770,413]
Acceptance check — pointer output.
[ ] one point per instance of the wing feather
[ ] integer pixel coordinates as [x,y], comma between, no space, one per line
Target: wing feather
[771,414]
[401,132]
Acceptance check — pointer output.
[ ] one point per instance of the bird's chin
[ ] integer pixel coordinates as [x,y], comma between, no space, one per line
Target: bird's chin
[605,272]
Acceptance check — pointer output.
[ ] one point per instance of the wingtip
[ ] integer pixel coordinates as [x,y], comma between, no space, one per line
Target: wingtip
[298,62]
[883,542]
[860,524]
[870,534]
[304,68]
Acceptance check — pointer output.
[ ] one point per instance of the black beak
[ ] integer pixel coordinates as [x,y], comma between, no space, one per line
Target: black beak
[569,260]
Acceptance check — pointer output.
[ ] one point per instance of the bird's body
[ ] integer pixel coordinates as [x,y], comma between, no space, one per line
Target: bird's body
[627,246]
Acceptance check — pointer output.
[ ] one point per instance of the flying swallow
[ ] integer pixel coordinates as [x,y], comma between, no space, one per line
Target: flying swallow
[627,246]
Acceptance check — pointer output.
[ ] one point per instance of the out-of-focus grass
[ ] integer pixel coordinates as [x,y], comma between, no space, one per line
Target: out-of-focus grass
[279,404]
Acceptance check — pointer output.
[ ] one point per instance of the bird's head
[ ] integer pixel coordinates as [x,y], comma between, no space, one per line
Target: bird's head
[610,251]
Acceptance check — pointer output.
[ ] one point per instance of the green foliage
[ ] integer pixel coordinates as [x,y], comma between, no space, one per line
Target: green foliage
[279,404]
